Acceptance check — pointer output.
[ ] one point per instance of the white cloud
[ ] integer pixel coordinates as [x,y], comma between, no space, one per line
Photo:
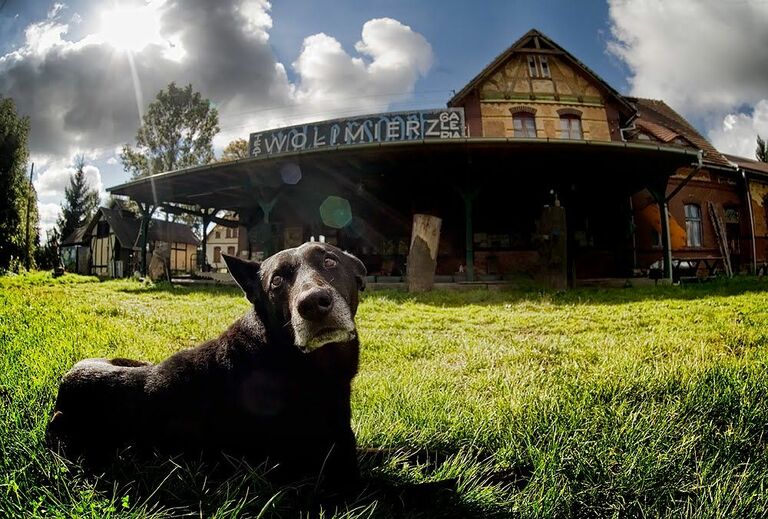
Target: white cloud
[332,83]
[56,10]
[221,48]
[706,58]
[330,77]
[54,178]
[699,55]
[736,134]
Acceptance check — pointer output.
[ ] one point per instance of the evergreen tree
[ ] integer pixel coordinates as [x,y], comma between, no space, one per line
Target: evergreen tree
[14,131]
[47,256]
[80,201]
[761,153]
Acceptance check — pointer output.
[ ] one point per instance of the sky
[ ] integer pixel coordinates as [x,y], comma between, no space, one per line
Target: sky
[84,71]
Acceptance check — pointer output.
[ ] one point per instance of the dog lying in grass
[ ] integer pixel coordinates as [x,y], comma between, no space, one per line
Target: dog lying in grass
[275,385]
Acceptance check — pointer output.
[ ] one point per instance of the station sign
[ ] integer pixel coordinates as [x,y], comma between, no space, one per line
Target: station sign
[447,123]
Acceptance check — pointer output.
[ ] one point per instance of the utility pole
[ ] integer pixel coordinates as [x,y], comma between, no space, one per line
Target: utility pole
[29,196]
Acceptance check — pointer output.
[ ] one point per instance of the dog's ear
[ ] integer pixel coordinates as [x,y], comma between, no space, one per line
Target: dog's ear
[359,270]
[246,275]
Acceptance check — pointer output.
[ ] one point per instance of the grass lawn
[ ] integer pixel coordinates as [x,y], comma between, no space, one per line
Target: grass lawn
[625,403]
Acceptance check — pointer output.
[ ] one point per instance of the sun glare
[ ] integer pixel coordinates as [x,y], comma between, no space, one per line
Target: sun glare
[130,28]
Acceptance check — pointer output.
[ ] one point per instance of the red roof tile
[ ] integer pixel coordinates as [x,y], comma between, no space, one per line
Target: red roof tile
[656,114]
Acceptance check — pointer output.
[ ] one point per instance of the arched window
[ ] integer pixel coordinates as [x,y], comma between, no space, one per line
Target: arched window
[524,124]
[693,229]
[570,127]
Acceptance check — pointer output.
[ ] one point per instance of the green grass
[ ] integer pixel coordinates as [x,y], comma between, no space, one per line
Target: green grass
[619,403]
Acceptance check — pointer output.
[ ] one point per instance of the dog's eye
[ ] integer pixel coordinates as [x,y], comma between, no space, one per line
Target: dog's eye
[276,282]
[329,263]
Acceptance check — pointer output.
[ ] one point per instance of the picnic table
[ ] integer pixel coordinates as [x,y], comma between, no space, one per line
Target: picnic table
[688,266]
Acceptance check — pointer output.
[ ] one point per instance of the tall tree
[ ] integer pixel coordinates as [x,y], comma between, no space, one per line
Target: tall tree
[176,132]
[237,149]
[14,132]
[761,153]
[80,201]
[47,256]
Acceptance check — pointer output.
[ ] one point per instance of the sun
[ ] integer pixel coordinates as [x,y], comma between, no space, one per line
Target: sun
[130,28]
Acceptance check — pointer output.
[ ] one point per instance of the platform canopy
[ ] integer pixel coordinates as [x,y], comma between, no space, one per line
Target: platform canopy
[618,166]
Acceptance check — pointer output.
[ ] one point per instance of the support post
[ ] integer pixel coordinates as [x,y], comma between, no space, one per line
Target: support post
[469,236]
[146,215]
[267,206]
[659,193]
[206,216]
[751,220]
[666,240]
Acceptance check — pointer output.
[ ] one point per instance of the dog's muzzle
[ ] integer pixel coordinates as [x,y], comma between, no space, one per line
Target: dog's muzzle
[321,316]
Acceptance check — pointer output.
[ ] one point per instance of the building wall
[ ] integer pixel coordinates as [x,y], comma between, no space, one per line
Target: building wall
[183,257]
[758,195]
[228,242]
[721,189]
[510,89]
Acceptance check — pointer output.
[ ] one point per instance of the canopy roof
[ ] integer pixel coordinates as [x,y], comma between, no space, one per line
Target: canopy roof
[234,185]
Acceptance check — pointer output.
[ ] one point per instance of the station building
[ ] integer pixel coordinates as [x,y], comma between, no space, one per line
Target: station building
[537,169]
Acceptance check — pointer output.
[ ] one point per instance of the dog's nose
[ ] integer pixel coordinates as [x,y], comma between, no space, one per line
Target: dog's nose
[315,303]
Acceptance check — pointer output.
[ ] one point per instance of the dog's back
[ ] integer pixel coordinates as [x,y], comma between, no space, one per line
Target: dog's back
[275,384]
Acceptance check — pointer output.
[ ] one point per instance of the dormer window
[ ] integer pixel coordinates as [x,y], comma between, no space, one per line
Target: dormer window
[533,71]
[544,65]
[538,66]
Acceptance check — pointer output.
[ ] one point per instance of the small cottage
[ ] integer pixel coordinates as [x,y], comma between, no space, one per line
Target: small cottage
[114,242]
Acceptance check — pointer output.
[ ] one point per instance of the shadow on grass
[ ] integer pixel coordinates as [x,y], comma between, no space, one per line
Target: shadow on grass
[179,486]
[590,296]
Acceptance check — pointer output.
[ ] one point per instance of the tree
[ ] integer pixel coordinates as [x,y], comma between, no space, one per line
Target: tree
[80,201]
[14,132]
[761,153]
[237,149]
[176,132]
[47,256]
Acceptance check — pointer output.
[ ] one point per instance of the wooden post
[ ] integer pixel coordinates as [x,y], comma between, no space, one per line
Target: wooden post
[422,256]
[29,197]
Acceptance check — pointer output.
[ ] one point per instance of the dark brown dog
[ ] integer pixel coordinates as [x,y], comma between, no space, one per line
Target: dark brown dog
[275,385]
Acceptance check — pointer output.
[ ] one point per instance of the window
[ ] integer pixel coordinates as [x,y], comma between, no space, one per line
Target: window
[231,251]
[532,70]
[234,232]
[570,127]
[693,232]
[229,232]
[102,229]
[217,234]
[217,254]
[538,66]
[544,65]
[525,124]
